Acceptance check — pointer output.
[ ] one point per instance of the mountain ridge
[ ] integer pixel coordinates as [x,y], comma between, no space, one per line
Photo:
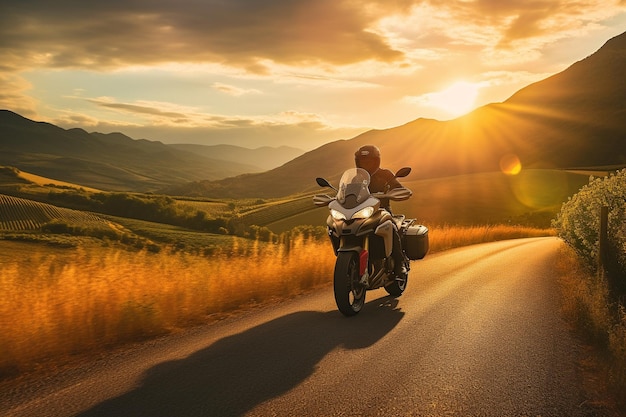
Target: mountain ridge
[111,161]
[571,119]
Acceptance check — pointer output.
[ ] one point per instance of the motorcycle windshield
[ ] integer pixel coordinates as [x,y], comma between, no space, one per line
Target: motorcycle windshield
[353,187]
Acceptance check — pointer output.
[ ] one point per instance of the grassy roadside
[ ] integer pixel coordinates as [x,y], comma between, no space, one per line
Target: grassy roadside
[449,237]
[60,302]
[600,323]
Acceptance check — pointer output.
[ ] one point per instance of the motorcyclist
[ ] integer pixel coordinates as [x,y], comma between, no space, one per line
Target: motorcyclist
[381,181]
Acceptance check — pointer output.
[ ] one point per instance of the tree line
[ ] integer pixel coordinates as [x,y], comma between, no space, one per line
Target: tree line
[154,208]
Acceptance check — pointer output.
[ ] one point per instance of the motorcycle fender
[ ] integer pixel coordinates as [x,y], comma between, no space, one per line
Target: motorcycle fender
[350,244]
[385,230]
[355,248]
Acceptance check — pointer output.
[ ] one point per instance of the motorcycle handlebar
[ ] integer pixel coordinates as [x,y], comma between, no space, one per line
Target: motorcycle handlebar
[322,200]
[396,194]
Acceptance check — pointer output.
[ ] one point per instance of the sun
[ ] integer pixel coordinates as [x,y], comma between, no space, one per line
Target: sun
[457,99]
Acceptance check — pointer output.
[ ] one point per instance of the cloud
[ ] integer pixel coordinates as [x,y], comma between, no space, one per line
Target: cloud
[12,95]
[303,131]
[170,122]
[499,28]
[71,119]
[99,35]
[154,109]
[233,90]
[350,61]
[252,34]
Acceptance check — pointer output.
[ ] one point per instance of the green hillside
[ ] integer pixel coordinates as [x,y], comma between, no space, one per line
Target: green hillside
[530,198]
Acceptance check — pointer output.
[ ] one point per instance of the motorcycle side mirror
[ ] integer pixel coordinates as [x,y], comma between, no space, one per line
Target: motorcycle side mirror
[403,172]
[323,183]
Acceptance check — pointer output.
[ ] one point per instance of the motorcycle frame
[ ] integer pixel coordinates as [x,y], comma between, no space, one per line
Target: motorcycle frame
[354,236]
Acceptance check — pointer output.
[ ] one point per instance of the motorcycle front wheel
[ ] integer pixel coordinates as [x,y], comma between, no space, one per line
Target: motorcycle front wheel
[349,293]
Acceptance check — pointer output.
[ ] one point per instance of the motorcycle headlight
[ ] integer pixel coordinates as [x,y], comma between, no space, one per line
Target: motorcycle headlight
[364,213]
[337,215]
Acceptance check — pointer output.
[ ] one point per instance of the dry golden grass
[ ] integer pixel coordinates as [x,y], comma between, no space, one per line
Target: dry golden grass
[57,302]
[36,179]
[585,297]
[586,304]
[448,237]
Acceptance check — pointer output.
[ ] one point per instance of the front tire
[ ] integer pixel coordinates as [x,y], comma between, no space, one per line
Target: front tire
[349,293]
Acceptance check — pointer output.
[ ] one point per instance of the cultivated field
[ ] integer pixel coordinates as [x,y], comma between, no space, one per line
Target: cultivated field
[18,214]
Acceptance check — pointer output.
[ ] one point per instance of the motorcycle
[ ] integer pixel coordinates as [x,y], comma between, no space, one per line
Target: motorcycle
[362,236]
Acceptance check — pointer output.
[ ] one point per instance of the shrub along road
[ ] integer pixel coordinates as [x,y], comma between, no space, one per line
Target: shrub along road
[477,332]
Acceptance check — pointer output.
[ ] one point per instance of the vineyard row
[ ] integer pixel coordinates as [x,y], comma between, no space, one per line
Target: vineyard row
[22,214]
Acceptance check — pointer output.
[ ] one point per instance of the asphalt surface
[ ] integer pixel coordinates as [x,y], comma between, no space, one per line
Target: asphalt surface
[477,333]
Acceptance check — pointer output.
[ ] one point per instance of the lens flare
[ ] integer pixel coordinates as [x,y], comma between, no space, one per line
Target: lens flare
[510,164]
[540,188]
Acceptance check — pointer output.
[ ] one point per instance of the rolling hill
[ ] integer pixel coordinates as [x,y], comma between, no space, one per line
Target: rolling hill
[574,119]
[114,161]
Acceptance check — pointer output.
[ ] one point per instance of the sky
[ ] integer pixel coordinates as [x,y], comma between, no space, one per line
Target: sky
[299,73]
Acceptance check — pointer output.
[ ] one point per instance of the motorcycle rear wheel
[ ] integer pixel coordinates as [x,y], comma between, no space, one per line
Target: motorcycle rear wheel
[349,293]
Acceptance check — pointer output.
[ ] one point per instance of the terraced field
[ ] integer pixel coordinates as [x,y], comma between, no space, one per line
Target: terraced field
[18,214]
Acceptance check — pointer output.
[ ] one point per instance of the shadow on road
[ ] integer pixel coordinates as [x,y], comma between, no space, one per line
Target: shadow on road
[236,373]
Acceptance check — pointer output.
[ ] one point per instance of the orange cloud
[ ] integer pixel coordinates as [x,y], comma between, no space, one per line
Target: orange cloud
[241,33]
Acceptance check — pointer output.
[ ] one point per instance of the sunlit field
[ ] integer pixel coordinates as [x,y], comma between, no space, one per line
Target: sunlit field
[57,302]
[62,301]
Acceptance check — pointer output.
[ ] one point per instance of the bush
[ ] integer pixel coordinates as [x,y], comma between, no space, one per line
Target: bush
[60,227]
[57,227]
[578,224]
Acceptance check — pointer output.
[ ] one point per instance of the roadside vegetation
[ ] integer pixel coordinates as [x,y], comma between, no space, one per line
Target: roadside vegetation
[62,301]
[89,297]
[595,297]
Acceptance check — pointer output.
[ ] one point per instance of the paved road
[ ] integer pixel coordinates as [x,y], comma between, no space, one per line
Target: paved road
[477,333]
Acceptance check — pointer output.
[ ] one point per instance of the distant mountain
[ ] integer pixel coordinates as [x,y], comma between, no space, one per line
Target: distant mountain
[108,161]
[264,158]
[576,118]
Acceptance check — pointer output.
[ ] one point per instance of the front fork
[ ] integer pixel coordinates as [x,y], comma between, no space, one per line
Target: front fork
[364,256]
[361,246]
[350,244]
